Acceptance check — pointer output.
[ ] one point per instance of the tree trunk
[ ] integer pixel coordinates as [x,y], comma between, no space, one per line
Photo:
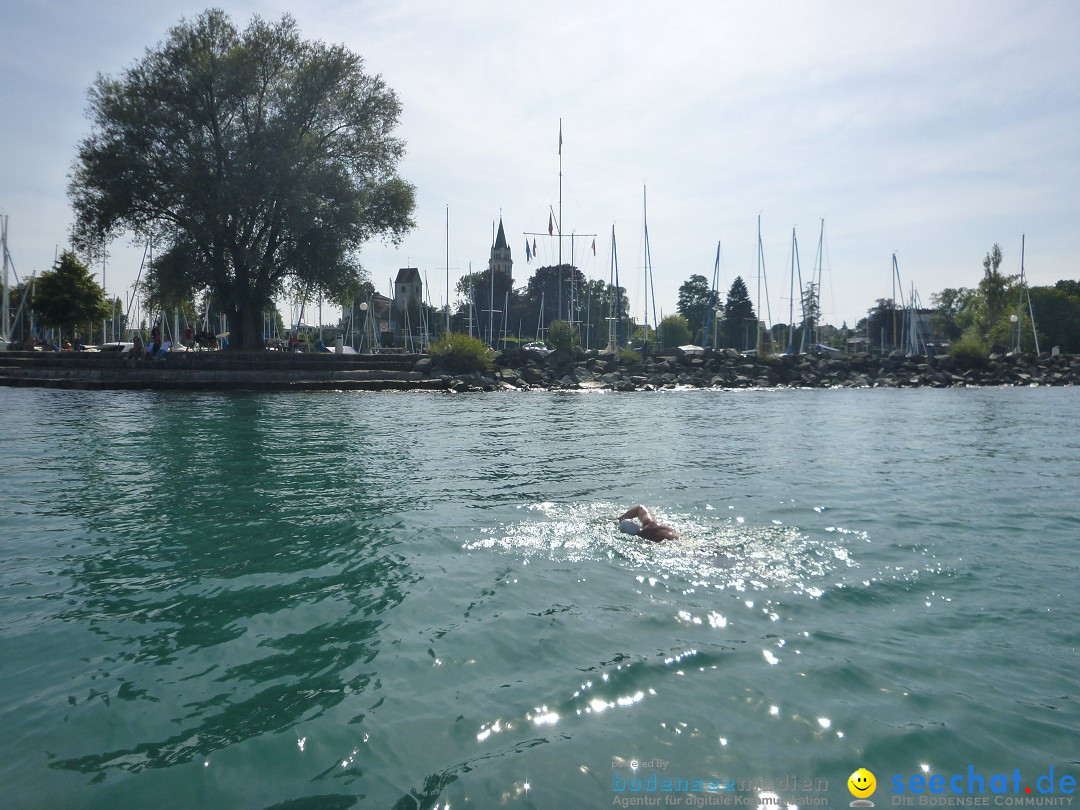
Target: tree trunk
[245,328]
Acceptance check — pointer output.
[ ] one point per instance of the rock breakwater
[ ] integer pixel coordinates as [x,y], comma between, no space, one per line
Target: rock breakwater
[524,370]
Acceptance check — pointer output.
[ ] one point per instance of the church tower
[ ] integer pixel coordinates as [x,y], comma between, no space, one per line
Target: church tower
[500,254]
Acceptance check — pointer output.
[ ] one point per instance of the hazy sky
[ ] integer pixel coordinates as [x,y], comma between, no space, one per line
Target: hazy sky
[932,129]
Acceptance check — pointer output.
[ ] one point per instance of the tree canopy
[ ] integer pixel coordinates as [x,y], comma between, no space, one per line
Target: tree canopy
[255,161]
[693,304]
[1057,316]
[67,296]
[740,322]
[674,331]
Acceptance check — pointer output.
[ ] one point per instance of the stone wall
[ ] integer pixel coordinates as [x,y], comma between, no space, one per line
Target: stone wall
[521,370]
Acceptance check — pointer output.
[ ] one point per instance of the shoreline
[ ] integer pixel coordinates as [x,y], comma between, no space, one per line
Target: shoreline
[518,370]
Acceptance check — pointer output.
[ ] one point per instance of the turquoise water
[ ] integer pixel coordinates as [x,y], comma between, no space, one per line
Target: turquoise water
[387,600]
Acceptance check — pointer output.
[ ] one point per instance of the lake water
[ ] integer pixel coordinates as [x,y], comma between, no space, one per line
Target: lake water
[399,600]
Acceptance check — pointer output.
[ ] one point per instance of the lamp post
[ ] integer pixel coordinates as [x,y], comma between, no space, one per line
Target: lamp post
[364,310]
[1014,320]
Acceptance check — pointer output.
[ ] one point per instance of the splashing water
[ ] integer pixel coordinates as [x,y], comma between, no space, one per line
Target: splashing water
[712,552]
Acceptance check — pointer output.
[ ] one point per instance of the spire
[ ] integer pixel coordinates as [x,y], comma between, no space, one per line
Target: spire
[500,253]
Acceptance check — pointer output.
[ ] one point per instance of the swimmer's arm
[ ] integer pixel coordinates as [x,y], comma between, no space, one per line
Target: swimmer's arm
[638,511]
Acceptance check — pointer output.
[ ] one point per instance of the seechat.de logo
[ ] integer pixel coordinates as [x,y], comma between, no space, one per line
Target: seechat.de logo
[862,785]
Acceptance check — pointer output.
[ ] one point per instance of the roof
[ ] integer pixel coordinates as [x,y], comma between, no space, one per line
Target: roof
[407,275]
[500,239]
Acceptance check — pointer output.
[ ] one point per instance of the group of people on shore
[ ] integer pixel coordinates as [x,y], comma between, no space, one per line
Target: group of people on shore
[157,348]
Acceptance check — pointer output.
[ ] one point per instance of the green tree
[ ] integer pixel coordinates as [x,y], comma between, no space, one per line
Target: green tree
[543,286]
[599,301]
[740,322]
[884,323]
[67,296]
[1057,319]
[256,159]
[954,309]
[674,331]
[562,337]
[693,304]
[479,286]
[994,288]
[989,321]
[811,317]
[1069,286]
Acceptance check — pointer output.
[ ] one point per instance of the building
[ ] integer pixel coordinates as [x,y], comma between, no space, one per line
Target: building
[500,260]
[408,296]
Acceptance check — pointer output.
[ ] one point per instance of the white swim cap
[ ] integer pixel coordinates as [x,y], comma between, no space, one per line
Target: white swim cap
[629,527]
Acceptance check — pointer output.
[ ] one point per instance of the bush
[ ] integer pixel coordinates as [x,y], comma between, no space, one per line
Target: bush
[562,337]
[674,331]
[970,352]
[629,356]
[461,353]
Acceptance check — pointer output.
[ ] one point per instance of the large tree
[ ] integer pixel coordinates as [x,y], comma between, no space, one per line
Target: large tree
[255,160]
[543,287]
[884,324]
[693,304]
[490,297]
[67,297]
[740,322]
[1057,317]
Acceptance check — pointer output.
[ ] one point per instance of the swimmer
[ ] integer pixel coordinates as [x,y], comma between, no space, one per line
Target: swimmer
[649,528]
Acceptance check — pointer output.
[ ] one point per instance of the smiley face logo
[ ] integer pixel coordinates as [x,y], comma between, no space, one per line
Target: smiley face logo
[862,784]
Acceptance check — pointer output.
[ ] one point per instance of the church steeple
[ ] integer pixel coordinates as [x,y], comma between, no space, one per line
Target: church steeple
[500,254]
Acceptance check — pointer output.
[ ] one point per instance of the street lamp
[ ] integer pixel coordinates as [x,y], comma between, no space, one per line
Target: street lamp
[363,309]
[1014,320]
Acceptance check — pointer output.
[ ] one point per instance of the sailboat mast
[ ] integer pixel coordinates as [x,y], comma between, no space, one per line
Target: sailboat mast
[817,289]
[761,280]
[559,223]
[1027,290]
[757,326]
[645,220]
[5,324]
[710,313]
[448,269]
[791,299]
[802,302]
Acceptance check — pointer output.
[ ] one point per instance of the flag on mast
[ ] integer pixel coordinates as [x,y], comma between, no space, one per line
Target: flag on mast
[593,247]
[560,136]
[528,253]
[551,225]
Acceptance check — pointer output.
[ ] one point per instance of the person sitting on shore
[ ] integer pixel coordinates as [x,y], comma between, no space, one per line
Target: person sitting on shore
[155,343]
[158,348]
[648,528]
[137,350]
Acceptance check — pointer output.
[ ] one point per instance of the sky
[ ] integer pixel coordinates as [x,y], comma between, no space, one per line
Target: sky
[930,130]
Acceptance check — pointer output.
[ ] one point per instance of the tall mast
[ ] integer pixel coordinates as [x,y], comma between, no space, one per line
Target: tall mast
[757,326]
[791,299]
[819,274]
[802,303]
[710,314]
[614,303]
[761,280]
[645,220]
[448,269]
[5,323]
[1026,289]
[559,223]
